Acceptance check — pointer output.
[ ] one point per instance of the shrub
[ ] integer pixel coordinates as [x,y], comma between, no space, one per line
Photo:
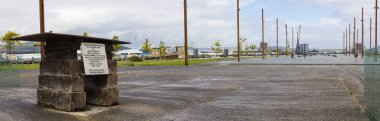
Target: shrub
[135,59]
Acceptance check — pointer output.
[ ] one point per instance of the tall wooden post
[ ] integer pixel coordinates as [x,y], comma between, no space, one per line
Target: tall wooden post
[238,28]
[357,41]
[292,40]
[286,27]
[346,43]
[186,36]
[349,40]
[42,27]
[362,32]
[370,33]
[376,12]
[277,37]
[344,36]
[354,36]
[262,30]
[298,34]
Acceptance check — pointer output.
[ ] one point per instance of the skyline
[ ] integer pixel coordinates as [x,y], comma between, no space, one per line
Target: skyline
[208,20]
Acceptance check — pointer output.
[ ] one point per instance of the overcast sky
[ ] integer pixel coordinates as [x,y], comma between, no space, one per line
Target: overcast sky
[323,21]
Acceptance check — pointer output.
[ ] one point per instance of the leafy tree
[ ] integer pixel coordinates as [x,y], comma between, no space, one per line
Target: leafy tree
[10,44]
[162,49]
[217,47]
[85,34]
[252,47]
[116,47]
[147,46]
[36,45]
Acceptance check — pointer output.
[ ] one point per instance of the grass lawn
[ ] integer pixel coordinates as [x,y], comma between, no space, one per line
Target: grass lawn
[18,67]
[177,62]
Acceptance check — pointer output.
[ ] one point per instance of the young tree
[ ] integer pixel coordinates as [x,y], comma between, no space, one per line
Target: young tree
[246,49]
[117,47]
[280,51]
[146,48]
[289,50]
[10,44]
[252,47]
[217,47]
[85,34]
[162,49]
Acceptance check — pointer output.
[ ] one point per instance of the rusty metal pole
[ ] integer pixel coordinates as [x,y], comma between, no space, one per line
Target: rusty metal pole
[277,37]
[186,36]
[262,29]
[238,28]
[362,32]
[286,27]
[42,27]
[349,40]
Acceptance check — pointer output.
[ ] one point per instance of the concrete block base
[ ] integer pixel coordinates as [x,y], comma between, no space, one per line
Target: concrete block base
[63,84]
[103,97]
[60,100]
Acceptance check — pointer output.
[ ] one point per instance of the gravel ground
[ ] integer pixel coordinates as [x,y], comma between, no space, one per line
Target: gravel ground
[211,92]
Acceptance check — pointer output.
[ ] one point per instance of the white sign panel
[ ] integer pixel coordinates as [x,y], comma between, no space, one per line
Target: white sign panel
[94,59]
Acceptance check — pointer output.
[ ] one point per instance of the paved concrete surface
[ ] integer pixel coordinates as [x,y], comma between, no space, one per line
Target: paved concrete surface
[208,93]
[309,60]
